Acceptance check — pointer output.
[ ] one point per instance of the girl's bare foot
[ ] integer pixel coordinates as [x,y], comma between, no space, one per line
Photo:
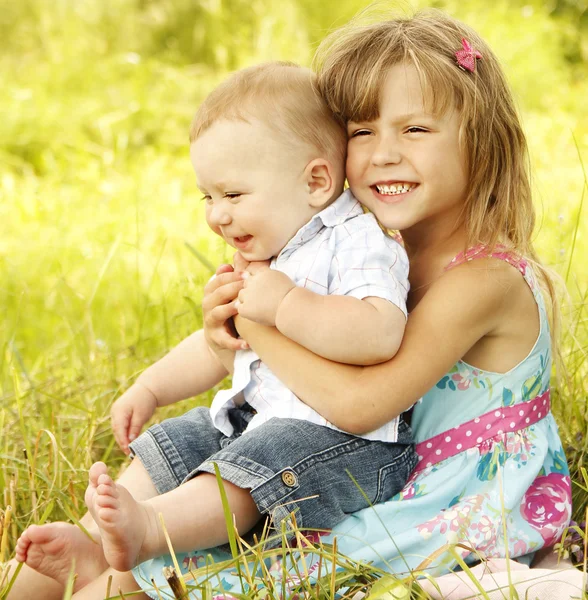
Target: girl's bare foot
[52,550]
[126,526]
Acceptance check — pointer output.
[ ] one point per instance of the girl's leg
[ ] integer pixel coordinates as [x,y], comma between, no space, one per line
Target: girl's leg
[48,550]
[131,531]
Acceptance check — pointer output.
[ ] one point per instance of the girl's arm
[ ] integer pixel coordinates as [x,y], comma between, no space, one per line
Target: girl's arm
[464,305]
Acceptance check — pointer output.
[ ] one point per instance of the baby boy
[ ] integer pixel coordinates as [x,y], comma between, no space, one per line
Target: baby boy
[269,161]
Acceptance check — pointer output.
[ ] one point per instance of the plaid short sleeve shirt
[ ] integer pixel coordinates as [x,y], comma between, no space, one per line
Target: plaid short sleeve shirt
[341,251]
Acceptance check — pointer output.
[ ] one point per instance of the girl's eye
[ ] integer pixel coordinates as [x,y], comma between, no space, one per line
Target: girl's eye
[233,195]
[416,129]
[206,198]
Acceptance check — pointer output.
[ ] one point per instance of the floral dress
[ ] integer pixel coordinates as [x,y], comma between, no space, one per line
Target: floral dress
[492,475]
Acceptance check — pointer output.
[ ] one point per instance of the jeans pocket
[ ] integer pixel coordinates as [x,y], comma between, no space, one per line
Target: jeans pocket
[393,476]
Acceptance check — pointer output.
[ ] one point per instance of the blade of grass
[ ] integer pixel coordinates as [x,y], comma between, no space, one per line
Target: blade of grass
[577,224]
[201,258]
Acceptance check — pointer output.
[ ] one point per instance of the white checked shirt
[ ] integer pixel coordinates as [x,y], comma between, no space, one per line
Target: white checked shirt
[341,251]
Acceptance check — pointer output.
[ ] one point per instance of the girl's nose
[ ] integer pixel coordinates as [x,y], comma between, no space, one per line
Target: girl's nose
[386,153]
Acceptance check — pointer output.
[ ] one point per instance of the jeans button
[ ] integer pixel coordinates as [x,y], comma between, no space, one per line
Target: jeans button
[289,478]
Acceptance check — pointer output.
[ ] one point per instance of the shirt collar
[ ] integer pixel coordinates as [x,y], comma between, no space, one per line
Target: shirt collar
[345,207]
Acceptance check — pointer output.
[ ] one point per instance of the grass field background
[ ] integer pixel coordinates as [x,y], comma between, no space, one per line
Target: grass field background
[98,203]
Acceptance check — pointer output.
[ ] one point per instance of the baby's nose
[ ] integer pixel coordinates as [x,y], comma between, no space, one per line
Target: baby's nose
[219,216]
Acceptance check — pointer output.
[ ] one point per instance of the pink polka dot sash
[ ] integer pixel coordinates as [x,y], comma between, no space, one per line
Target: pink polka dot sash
[481,429]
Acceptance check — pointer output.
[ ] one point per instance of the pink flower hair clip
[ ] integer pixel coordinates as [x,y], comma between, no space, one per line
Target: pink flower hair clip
[467,56]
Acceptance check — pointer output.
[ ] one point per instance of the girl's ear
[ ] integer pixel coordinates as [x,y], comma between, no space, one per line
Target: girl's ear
[321,180]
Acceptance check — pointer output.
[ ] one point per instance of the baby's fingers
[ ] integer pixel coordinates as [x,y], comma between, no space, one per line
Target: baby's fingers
[135,427]
[120,429]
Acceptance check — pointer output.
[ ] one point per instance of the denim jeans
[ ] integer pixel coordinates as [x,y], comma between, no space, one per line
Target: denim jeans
[290,465]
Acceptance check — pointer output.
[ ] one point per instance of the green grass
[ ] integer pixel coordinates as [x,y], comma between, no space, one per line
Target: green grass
[98,202]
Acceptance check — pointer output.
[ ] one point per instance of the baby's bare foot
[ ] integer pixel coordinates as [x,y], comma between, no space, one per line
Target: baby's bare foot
[52,549]
[125,524]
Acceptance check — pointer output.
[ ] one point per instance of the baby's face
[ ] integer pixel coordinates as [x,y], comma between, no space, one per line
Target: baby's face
[256,194]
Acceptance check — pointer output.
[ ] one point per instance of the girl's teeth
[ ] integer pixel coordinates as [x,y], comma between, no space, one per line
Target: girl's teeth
[397,188]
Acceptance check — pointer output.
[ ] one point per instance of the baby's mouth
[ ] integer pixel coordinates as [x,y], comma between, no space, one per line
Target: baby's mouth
[242,241]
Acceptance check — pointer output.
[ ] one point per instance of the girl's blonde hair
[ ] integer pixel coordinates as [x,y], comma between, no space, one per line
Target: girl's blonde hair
[352,64]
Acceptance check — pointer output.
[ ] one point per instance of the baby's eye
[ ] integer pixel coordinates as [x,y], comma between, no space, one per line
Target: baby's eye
[207,198]
[359,133]
[233,195]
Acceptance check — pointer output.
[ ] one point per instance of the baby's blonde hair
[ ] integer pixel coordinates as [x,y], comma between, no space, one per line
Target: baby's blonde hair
[283,96]
[352,64]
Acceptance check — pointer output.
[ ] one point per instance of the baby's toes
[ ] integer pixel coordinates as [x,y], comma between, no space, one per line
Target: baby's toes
[106,501]
[107,515]
[22,545]
[96,470]
[106,485]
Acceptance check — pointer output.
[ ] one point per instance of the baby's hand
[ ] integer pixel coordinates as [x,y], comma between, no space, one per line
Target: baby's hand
[130,412]
[262,295]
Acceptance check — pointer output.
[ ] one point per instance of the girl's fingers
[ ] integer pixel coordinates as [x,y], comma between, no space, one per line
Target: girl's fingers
[222,313]
[239,262]
[223,295]
[224,269]
[228,342]
[221,280]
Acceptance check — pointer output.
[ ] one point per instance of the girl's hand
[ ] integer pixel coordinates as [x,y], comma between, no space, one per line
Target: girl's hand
[130,412]
[218,309]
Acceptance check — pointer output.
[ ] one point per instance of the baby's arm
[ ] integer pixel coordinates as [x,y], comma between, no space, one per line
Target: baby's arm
[361,323]
[188,370]
[342,328]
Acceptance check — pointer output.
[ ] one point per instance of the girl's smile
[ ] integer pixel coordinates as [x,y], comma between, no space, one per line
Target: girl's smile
[393,192]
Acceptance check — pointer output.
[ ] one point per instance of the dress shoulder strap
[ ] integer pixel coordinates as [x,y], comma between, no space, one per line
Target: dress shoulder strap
[506,254]
[480,251]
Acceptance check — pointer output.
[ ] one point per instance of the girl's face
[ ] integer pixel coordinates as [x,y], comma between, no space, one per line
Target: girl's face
[406,166]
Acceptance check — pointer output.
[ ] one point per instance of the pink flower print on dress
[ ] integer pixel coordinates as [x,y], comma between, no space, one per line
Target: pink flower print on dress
[461,377]
[487,531]
[408,491]
[458,518]
[547,506]
[520,548]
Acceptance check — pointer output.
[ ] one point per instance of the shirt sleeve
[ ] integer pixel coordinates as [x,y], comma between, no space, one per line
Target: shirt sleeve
[369,263]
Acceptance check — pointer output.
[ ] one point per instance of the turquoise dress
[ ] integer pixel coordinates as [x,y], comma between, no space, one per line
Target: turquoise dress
[492,475]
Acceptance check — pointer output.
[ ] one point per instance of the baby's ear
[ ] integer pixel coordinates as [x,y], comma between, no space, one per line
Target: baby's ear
[321,181]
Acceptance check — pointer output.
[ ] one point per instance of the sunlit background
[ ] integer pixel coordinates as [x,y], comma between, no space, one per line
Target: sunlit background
[103,245]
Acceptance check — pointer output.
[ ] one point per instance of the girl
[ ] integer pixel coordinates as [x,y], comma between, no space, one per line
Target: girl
[436,150]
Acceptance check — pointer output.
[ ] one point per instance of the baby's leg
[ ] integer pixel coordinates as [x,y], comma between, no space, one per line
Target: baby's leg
[131,531]
[48,550]
[123,582]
